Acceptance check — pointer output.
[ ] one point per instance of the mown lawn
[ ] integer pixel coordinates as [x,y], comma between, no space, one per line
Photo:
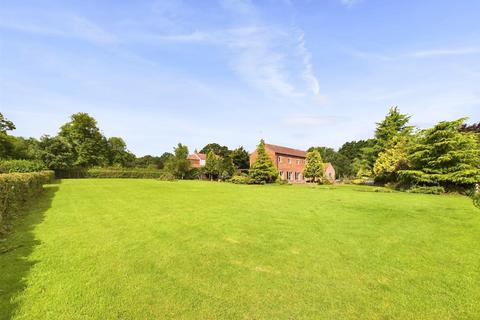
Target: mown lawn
[146,249]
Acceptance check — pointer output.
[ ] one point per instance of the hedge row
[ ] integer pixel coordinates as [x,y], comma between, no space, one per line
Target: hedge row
[16,189]
[10,166]
[111,173]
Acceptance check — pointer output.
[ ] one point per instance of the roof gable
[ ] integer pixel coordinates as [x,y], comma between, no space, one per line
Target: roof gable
[197,156]
[286,151]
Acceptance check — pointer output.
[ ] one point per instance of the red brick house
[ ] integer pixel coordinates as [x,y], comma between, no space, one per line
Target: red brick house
[290,163]
[197,160]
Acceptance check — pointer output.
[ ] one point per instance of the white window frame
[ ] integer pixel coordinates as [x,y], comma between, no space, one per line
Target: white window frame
[279,159]
[289,161]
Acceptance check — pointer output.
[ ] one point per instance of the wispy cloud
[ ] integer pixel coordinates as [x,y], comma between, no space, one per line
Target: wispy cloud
[311,120]
[269,57]
[424,54]
[445,52]
[57,24]
[350,3]
[192,37]
[308,73]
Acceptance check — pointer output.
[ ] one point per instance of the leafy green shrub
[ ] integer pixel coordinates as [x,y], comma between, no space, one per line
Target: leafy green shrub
[18,188]
[363,181]
[167,176]
[10,166]
[357,181]
[476,200]
[324,181]
[427,190]
[241,180]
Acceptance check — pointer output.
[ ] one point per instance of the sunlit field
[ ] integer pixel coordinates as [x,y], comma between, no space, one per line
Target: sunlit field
[146,249]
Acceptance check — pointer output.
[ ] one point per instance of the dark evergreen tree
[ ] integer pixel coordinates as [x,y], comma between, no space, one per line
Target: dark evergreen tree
[263,170]
[240,158]
[445,156]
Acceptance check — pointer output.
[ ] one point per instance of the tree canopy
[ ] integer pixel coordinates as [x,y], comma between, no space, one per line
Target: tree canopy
[178,165]
[88,143]
[314,169]
[217,149]
[443,155]
[240,158]
[5,125]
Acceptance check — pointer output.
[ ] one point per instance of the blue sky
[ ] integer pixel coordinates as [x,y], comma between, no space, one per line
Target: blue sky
[297,73]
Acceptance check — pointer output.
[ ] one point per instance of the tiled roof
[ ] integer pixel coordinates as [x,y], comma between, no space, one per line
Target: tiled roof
[286,151]
[197,156]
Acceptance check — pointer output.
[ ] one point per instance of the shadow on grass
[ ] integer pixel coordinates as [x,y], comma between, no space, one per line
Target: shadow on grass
[15,249]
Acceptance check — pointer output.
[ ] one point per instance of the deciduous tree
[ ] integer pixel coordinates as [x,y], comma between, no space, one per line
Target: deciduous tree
[88,143]
[314,169]
[56,153]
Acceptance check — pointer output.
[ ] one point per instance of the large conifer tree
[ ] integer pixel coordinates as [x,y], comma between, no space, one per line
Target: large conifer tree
[263,170]
[443,155]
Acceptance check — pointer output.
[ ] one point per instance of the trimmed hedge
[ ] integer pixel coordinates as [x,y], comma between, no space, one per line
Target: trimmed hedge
[10,166]
[110,173]
[16,189]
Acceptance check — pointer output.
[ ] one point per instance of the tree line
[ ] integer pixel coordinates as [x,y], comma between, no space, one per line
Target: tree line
[446,155]
[80,144]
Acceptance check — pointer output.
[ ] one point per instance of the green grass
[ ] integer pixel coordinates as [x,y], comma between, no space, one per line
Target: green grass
[146,249]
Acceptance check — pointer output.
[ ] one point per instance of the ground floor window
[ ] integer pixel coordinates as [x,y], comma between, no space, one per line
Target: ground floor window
[298,176]
[281,174]
[289,175]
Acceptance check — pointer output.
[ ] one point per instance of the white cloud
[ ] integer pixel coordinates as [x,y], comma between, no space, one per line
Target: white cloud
[271,58]
[350,3]
[445,52]
[308,73]
[309,120]
[57,24]
[193,37]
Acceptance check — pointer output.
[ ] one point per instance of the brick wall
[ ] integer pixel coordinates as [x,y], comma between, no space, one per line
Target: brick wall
[285,166]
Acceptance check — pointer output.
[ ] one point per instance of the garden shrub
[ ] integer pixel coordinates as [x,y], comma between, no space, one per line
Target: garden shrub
[475,194]
[10,166]
[363,181]
[476,200]
[16,189]
[167,176]
[241,180]
[427,190]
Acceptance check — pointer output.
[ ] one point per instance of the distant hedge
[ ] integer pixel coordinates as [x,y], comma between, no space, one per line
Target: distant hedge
[110,173]
[16,189]
[10,166]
